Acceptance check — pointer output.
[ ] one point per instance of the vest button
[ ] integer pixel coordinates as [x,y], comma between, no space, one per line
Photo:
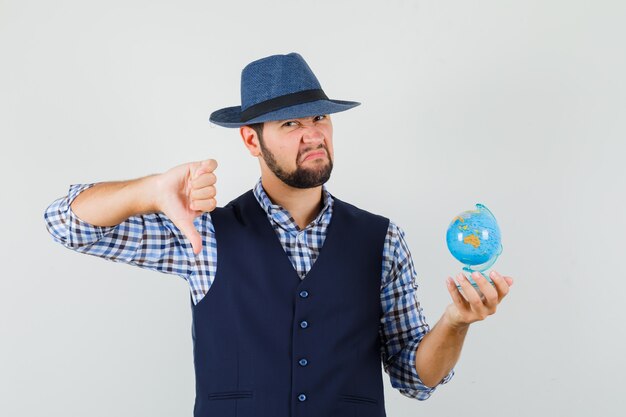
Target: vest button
[304,294]
[303,362]
[304,324]
[302,397]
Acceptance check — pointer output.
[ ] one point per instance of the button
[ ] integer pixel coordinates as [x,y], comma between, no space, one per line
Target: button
[301,236]
[302,397]
[304,324]
[303,362]
[304,294]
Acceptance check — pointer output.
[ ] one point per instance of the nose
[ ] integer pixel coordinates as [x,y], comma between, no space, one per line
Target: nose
[312,134]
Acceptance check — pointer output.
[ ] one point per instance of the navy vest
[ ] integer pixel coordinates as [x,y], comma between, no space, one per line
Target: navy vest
[268,344]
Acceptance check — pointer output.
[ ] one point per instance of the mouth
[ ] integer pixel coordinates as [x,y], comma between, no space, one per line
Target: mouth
[314,155]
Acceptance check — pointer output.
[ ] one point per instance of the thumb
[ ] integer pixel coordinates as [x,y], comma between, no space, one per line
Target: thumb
[189,230]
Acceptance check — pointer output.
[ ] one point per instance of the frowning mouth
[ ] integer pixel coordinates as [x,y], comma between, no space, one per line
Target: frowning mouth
[314,155]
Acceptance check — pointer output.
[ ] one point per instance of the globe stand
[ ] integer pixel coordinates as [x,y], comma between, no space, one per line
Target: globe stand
[468,271]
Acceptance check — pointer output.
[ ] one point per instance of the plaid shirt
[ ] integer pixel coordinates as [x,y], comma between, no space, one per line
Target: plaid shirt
[152,241]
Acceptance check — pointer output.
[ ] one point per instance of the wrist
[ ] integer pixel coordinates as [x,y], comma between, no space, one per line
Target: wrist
[146,191]
[452,321]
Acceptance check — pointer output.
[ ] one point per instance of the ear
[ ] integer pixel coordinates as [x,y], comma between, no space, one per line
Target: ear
[250,140]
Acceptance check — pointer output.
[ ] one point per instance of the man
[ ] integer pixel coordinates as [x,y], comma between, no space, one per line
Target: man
[307,293]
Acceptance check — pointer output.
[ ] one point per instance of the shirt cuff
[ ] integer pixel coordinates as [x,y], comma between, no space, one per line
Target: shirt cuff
[80,232]
[420,392]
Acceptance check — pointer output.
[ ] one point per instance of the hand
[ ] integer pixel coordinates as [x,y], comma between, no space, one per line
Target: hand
[475,304]
[185,192]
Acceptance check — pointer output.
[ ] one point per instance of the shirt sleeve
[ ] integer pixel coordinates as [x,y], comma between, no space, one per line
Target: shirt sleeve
[149,241]
[403,324]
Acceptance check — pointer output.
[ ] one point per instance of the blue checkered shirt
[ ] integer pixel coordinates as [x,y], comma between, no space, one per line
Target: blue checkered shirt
[152,241]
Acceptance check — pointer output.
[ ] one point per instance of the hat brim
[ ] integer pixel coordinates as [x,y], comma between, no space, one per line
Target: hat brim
[231,116]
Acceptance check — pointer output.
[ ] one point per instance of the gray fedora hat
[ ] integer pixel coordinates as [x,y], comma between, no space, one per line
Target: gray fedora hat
[278,87]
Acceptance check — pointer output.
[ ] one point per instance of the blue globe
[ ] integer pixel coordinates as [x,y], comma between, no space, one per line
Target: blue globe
[473,238]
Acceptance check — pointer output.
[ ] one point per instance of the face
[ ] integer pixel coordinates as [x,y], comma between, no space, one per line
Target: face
[299,151]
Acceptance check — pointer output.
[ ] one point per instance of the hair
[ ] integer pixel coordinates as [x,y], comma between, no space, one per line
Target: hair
[258,128]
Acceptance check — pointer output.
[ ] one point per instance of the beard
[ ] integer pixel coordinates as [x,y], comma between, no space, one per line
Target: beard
[301,177]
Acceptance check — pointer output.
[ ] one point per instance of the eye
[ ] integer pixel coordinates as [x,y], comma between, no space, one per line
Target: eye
[317,118]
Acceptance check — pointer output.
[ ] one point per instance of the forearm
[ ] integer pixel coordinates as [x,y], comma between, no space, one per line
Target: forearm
[110,203]
[439,351]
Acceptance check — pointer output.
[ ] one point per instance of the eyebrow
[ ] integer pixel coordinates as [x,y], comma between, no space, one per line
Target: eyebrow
[298,118]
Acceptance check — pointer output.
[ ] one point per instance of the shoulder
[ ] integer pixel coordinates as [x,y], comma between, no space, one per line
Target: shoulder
[396,233]
[358,212]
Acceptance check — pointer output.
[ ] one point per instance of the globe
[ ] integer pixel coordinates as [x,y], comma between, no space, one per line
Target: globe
[473,238]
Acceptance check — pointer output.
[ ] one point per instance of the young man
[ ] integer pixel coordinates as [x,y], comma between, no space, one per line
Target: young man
[311,292]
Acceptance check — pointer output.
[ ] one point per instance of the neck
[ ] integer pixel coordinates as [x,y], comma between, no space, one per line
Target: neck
[303,204]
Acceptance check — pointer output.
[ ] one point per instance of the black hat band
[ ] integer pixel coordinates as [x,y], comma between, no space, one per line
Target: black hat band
[280,102]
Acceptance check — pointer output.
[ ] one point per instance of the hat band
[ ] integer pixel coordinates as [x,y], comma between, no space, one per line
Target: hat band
[279,102]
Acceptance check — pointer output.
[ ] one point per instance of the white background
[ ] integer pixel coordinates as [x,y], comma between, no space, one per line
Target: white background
[519,105]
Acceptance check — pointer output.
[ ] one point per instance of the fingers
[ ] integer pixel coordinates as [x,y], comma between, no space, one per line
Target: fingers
[202,193]
[490,294]
[476,304]
[203,205]
[201,173]
[456,295]
[203,199]
[202,190]
[203,179]
[508,280]
[501,283]
[208,165]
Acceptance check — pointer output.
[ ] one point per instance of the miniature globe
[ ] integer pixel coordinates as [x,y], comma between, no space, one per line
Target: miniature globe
[473,238]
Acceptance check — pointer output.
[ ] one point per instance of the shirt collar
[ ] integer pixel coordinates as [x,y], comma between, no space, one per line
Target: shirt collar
[281,216]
